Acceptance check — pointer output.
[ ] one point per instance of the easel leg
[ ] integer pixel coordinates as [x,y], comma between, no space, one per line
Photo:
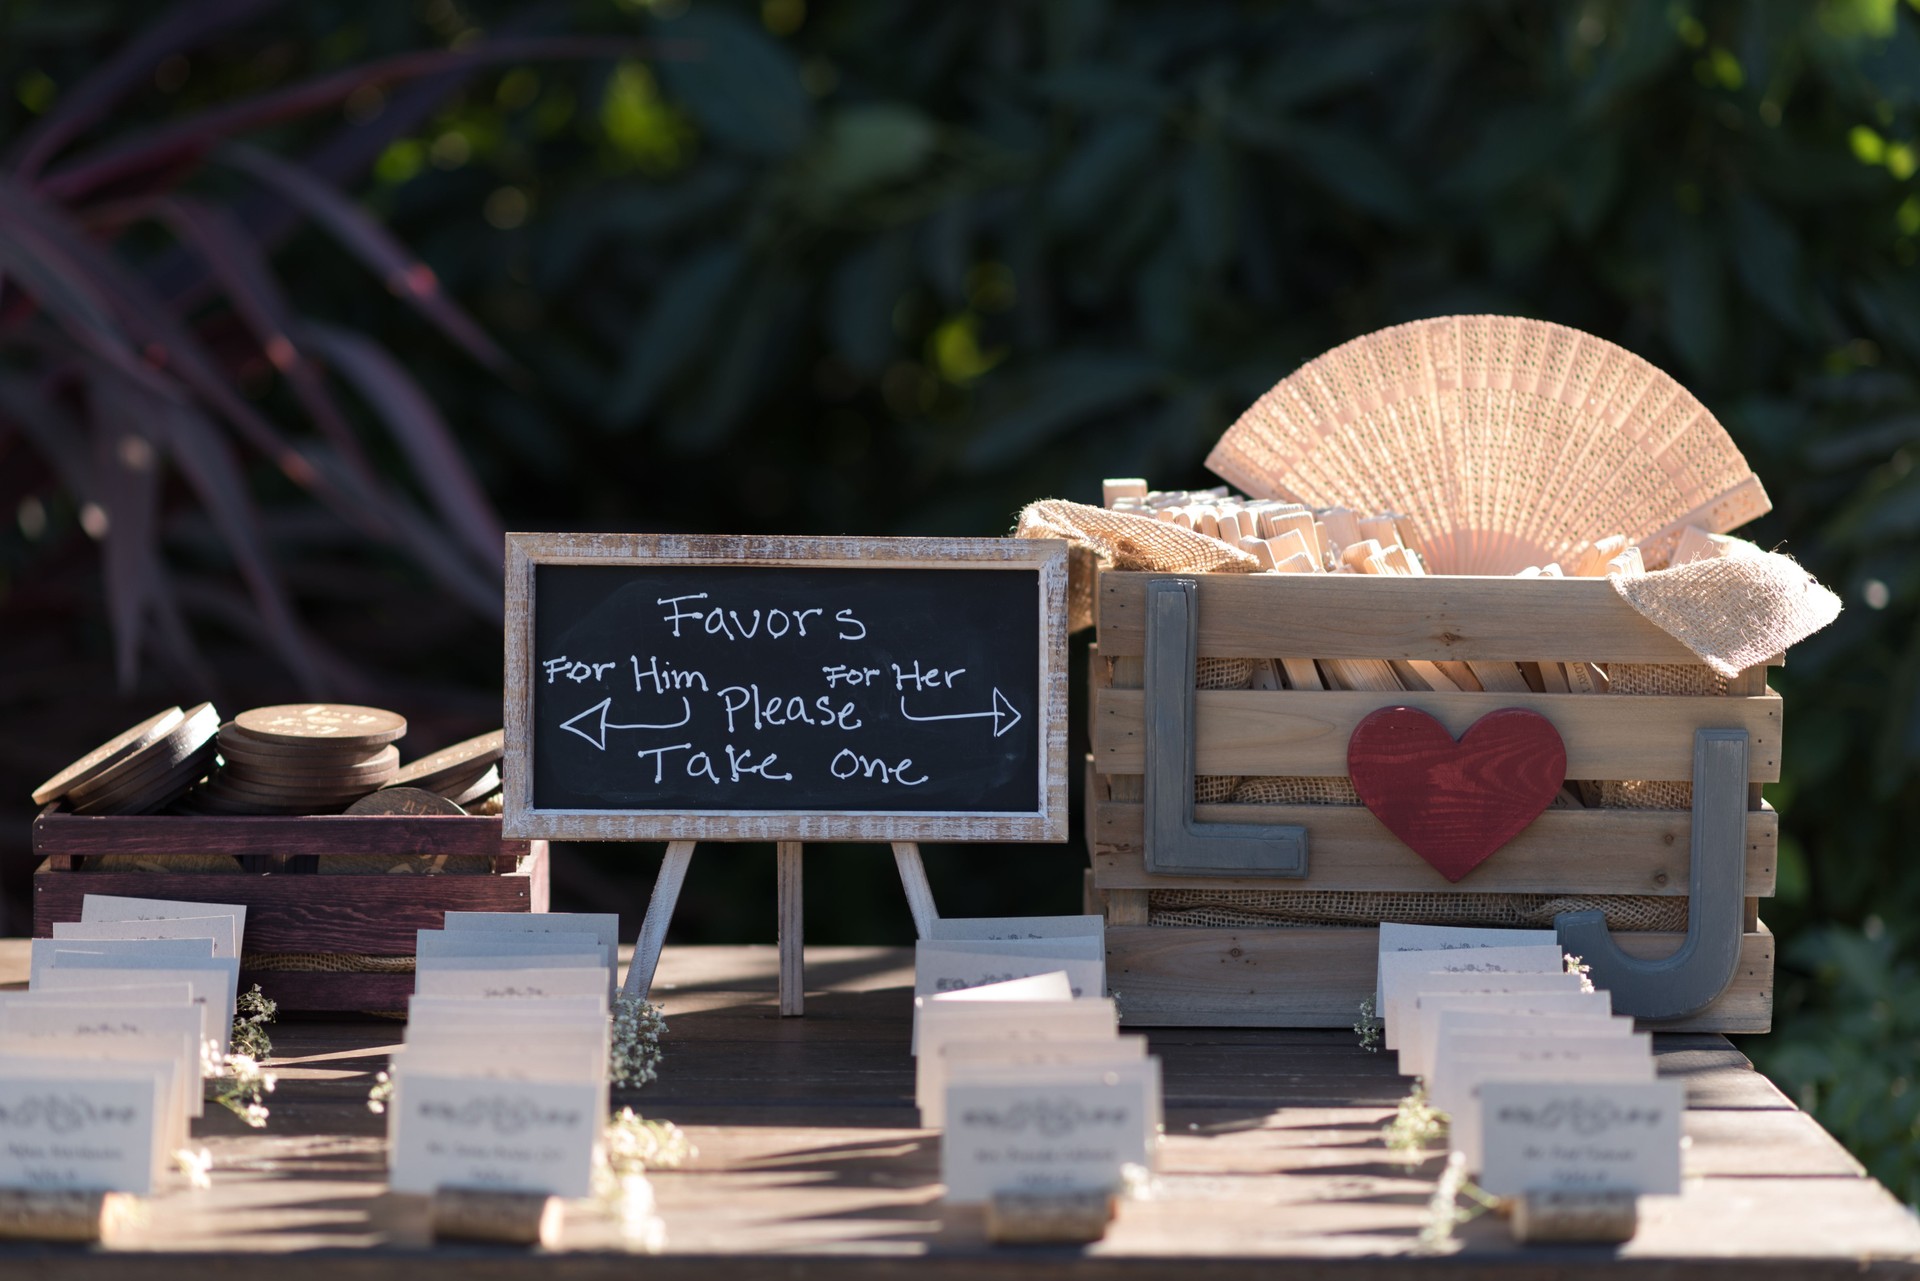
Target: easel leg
[653,930]
[913,879]
[793,983]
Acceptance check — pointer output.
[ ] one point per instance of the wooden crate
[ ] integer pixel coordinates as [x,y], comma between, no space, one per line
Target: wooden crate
[1317,977]
[291,906]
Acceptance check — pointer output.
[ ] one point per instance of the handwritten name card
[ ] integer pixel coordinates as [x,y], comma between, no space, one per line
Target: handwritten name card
[1588,1135]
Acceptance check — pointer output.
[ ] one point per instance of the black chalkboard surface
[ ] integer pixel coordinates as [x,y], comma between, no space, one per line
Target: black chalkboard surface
[884,689]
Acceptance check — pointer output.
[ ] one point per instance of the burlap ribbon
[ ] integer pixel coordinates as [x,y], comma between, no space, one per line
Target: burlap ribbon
[1736,611]
[1102,539]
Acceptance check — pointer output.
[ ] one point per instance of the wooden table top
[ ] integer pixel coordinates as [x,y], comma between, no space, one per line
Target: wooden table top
[810,1165]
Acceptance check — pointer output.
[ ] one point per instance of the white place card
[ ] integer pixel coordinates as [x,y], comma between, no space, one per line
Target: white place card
[968,1062]
[1053,985]
[941,968]
[483,978]
[1401,973]
[118,907]
[1396,937]
[604,926]
[222,930]
[429,1010]
[70,1123]
[1589,1135]
[944,1021]
[211,982]
[130,952]
[1463,1060]
[1586,1134]
[1074,1131]
[432,945]
[1017,927]
[70,1023]
[511,1136]
[1529,993]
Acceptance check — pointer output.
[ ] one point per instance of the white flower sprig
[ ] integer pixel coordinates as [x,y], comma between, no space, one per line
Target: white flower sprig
[629,1147]
[638,1026]
[381,1094]
[1416,1123]
[1368,1026]
[237,1083]
[1444,1212]
[253,1013]
[197,1166]
[1576,966]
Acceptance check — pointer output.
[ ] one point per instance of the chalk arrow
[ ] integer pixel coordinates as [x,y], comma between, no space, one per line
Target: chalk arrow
[1005,717]
[597,725]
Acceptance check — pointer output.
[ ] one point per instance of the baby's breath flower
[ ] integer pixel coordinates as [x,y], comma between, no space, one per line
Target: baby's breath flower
[197,1166]
[1367,1026]
[253,1012]
[1416,1123]
[629,1147]
[638,1025]
[381,1094]
[237,1084]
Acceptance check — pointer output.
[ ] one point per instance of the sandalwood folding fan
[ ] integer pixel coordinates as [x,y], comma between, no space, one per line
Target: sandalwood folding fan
[1507,442]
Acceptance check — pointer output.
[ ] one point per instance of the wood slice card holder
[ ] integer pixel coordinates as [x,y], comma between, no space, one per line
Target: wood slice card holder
[727,689]
[1280,930]
[316,940]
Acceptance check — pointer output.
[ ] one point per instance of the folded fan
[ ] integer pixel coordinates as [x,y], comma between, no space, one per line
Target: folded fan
[1507,441]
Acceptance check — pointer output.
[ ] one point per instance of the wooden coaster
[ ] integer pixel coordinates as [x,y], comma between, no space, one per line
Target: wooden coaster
[157,792]
[107,755]
[194,731]
[342,723]
[479,789]
[238,742]
[404,800]
[462,761]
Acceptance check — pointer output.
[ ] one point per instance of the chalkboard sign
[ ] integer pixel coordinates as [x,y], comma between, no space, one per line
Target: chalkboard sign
[683,688]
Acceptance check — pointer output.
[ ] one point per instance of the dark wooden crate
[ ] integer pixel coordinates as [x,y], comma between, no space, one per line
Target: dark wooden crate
[290,906]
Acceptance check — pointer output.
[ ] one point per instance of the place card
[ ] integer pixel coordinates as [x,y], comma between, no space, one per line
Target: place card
[82,1125]
[968,1062]
[222,930]
[431,1009]
[946,1020]
[942,968]
[73,1023]
[1074,1130]
[603,926]
[1401,973]
[1462,1060]
[1397,937]
[457,1131]
[1589,1135]
[1544,993]
[1052,985]
[1464,1128]
[483,978]
[578,948]
[103,908]
[211,983]
[1017,927]
[41,952]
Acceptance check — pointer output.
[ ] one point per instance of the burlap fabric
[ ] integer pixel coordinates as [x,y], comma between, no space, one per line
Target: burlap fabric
[1735,611]
[1305,908]
[1102,539]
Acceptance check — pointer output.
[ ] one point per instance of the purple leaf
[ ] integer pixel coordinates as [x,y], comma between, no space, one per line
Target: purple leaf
[237,263]
[127,490]
[436,458]
[189,139]
[59,438]
[373,244]
[185,26]
[210,468]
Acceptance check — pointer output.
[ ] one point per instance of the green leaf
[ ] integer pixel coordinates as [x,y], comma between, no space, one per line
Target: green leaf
[1056,395]
[1101,89]
[1341,162]
[738,371]
[1766,256]
[1101,169]
[1696,322]
[861,148]
[1331,61]
[681,316]
[743,87]
[861,297]
[1209,204]
[1514,144]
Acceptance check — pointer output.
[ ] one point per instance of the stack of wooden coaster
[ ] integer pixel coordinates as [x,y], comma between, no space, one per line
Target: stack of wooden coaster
[466,773]
[141,770]
[300,759]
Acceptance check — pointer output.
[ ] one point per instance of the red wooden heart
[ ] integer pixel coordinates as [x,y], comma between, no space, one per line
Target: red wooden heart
[1456,803]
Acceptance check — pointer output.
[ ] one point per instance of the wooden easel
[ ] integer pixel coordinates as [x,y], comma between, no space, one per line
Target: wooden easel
[666,894]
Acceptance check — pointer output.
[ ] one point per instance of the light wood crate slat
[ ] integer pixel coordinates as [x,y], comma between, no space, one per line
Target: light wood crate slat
[1305,733]
[1176,976]
[1563,852]
[1368,616]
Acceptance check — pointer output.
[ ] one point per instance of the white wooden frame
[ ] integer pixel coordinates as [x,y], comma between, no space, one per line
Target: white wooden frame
[1047,558]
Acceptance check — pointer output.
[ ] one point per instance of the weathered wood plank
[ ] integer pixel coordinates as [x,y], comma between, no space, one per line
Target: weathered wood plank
[1294,732]
[1370,616]
[1564,851]
[1179,975]
[154,835]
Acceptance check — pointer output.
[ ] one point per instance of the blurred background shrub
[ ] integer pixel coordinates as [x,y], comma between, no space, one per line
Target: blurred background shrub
[301,304]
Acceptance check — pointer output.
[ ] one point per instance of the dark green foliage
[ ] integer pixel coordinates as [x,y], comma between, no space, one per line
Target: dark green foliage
[879,266]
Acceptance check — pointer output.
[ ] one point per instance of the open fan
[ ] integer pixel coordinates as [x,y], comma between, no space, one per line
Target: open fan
[1508,442]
